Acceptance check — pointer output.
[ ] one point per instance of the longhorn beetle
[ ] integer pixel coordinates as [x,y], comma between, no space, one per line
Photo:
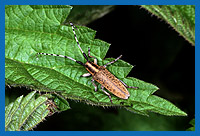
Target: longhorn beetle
[100,74]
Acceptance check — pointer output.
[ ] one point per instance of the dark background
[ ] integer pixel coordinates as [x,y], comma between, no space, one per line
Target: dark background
[161,57]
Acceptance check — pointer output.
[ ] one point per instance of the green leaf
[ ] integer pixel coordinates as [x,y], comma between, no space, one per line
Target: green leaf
[180,17]
[143,103]
[192,122]
[25,113]
[61,103]
[42,31]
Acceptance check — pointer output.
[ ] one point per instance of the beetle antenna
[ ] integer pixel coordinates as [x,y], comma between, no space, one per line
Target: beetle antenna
[79,62]
[85,56]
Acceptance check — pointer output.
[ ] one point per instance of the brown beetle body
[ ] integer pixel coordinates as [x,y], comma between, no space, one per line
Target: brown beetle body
[111,83]
[108,80]
[100,74]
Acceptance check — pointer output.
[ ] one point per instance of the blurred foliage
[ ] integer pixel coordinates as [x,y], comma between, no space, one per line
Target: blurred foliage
[92,118]
[85,14]
[192,122]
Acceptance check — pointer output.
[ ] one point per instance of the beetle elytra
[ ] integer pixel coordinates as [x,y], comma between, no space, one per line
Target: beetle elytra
[100,74]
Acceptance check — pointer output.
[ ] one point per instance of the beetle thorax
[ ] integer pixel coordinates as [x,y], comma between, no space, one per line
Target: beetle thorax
[91,67]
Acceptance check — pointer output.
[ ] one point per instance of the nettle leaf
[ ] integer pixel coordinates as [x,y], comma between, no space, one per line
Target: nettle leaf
[39,29]
[180,17]
[25,112]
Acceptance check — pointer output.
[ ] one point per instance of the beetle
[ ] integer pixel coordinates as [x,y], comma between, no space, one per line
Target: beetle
[100,73]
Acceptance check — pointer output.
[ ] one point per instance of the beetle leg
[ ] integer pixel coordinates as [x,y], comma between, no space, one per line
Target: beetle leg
[127,85]
[95,86]
[86,75]
[102,88]
[95,59]
[112,61]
